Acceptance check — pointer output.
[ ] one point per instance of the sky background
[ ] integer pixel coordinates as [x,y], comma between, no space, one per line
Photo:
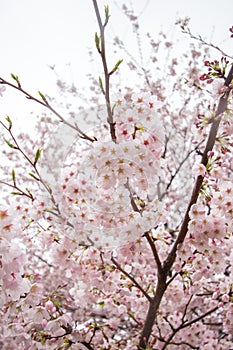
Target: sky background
[36,34]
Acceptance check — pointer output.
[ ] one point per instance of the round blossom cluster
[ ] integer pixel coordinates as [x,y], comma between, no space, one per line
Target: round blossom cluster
[110,193]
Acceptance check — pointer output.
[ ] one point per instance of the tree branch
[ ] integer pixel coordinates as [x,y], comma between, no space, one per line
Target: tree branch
[45,104]
[34,167]
[154,250]
[178,169]
[222,106]
[185,325]
[186,30]
[136,284]
[161,283]
[107,74]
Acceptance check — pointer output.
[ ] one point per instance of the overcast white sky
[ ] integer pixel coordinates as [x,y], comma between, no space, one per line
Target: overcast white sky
[35,34]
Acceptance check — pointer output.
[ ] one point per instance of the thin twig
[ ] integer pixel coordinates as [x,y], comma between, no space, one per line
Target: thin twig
[186,324]
[21,192]
[43,260]
[45,104]
[178,169]
[102,52]
[33,165]
[154,250]
[136,284]
[186,30]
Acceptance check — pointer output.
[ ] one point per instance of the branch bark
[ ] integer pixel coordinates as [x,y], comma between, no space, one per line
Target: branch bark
[168,263]
[132,279]
[107,74]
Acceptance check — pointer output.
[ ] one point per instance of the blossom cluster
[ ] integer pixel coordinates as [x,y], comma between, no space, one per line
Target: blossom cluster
[13,280]
[83,256]
[111,194]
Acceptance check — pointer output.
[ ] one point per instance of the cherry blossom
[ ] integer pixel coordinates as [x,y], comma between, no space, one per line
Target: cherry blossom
[127,242]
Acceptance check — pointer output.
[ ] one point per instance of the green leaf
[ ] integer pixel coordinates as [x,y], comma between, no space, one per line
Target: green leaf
[101,303]
[116,67]
[97,41]
[34,176]
[15,77]
[101,85]
[148,287]
[9,121]
[28,191]
[107,16]
[17,193]
[13,176]
[42,96]
[37,156]
[10,144]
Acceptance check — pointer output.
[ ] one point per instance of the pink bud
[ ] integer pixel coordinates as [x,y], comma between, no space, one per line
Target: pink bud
[225,298]
[44,323]
[49,306]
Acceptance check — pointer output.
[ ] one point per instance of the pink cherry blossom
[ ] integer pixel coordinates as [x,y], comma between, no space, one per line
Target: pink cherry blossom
[118,234]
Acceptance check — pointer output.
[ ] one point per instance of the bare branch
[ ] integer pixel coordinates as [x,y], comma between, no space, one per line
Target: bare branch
[154,250]
[102,53]
[199,38]
[45,104]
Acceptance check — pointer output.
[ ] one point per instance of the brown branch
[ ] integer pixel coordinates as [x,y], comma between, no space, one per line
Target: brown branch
[152,312]
[222,107]
[185,325]
[45,104]
[187,30]
[43,260]
[154,250]
[132,279]
[33,165]
[102,52]
[162,277]
[21,192]
[87,345]
[178,169]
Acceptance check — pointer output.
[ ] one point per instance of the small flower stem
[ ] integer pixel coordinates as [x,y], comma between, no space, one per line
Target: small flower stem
[102,53]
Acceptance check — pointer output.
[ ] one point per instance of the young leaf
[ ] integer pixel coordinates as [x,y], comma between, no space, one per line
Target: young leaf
[16,78]
[43,97]
[97,42]
[34,176]
[107,16]
[10,144]
[116,67]
[101,303]
[9,121]
[17,193]
[101,85]
[13,176]
[37,156]
[28,191]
